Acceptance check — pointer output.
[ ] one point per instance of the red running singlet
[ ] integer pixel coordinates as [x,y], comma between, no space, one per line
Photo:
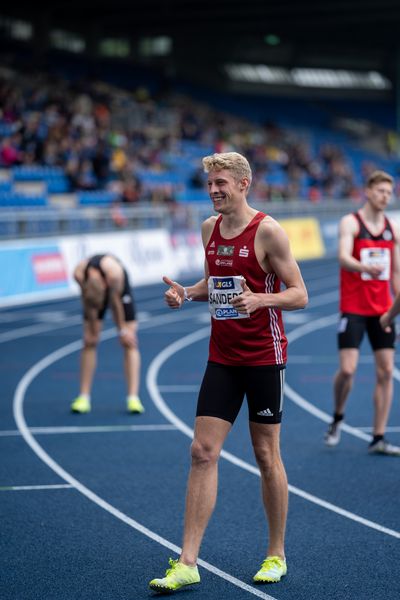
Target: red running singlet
[259,339]
[359,293]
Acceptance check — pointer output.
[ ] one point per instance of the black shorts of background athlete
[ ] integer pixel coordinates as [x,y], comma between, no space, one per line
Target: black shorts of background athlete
[224,387]
[127,302]
[352,328]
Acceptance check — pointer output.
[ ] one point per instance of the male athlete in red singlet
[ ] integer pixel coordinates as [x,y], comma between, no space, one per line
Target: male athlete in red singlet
[369,261]
[247,257]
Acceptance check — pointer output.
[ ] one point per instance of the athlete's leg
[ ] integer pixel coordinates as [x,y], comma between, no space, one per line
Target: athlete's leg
[383,393]
[91,335]
[274,484]
[209,436]
[132,361]
[343,381]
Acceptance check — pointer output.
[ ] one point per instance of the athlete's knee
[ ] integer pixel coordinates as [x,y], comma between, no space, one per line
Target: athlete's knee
[346,372]
[267,459]
[384,373]
[90,340]
[203,453]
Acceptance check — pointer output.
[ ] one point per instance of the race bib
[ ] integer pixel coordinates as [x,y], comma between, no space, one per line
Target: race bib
[379,257]
[221,291]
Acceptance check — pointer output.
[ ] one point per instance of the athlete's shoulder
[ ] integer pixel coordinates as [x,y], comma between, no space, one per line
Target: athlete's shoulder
[349,224]
[270,226]
[207,228]
[208,225]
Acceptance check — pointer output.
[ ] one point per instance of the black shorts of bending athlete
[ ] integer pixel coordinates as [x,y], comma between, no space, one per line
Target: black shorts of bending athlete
[128,302]
[224,387]
[352,328]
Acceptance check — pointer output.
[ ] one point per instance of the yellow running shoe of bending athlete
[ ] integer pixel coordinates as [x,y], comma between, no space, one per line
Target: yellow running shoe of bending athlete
[176,577]
[134,405]
[81,404]
[272,569]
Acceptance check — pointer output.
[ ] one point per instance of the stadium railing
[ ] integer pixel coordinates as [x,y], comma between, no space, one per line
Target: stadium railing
[38,221]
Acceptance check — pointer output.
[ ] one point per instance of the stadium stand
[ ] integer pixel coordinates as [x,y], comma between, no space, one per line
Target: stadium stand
[72,142]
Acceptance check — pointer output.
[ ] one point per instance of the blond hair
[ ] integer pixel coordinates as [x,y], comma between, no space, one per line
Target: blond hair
[379,177]
[234,162]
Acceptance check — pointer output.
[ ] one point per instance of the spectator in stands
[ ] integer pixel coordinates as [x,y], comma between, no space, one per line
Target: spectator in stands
[131,189]
[10,153]
[113,129]
[86,177]
[104,282]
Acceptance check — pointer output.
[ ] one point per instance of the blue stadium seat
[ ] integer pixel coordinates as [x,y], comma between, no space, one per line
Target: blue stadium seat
[58,185]
[36,173]
[5,186]
[8,199]
[96,198]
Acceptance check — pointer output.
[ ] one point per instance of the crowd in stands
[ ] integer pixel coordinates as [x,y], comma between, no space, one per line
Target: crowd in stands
[149,149]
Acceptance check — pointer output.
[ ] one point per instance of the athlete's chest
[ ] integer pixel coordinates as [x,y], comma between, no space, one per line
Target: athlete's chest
[235,253]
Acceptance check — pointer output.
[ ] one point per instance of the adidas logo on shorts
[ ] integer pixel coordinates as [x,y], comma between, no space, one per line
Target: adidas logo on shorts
[265,413]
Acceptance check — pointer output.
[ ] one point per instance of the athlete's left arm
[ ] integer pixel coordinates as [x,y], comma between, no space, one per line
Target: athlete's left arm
[395,274]
[273,242]
[114,275]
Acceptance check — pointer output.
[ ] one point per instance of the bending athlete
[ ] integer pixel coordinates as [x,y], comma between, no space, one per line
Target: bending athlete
[103,282]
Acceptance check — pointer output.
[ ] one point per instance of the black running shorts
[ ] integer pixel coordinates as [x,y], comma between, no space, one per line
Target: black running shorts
[352,328]
[128,302]
[224,387]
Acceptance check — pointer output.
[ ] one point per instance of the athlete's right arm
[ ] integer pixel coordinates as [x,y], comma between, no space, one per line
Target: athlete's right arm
[176,295]
[388,317]
[348,230]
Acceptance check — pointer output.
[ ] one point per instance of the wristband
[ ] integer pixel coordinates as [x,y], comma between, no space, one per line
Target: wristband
[185,296]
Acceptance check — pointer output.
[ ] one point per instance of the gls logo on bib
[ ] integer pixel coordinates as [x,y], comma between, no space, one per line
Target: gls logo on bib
[225,283]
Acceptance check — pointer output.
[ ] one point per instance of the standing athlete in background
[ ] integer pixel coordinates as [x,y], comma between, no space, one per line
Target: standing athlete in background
[247,256]
[104,281]
[369,261]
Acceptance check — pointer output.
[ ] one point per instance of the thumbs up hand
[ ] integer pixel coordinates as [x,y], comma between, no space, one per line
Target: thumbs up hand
[175,295]
[247,302]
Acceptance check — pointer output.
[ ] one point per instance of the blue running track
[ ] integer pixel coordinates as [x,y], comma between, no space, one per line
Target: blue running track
[91,506]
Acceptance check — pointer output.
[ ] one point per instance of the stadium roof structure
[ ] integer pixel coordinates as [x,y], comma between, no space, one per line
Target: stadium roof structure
[208,34]
[366,22]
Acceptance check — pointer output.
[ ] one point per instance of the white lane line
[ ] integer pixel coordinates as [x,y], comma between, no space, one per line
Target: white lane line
[14,334]
[297,398]
[143,318]
[151,381]
[88,429]
[323,299]
[23,488]
[320,414]
[18,405]
[323,282]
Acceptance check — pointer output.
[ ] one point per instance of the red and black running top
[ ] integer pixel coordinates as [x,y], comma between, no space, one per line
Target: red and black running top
[359,293]
[260,339]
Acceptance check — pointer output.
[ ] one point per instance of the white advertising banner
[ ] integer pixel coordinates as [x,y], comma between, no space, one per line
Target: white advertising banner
[146,255]
[40,269]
